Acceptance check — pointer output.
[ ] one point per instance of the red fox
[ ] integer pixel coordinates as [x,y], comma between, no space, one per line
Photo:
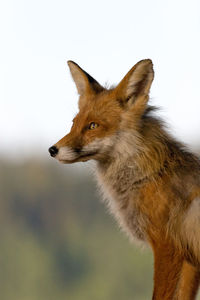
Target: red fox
[150,181]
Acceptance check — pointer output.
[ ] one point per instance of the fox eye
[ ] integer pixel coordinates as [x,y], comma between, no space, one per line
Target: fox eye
[93,125]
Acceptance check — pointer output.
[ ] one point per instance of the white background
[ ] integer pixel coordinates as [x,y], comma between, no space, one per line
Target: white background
[38,98]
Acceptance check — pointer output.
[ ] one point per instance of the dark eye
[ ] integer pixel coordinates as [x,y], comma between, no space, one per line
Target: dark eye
[93,125]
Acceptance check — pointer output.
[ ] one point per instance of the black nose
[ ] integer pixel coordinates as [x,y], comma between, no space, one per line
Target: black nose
[53,151]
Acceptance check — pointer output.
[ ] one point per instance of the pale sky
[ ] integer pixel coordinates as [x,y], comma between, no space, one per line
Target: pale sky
[37,95]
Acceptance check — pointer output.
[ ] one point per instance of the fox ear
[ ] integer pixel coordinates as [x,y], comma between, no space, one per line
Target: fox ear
[84,82]
[136,84]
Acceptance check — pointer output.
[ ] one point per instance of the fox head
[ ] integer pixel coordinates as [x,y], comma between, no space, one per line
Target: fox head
[105,115]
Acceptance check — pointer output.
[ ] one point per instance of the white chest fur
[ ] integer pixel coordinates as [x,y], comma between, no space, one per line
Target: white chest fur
[120,189]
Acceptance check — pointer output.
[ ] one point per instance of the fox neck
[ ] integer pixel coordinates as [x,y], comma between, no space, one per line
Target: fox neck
[139,156]
[120,173]
[144,156]
[122,157]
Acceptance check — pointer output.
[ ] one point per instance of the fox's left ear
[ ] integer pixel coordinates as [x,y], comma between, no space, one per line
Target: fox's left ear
[84,82]
[136,84]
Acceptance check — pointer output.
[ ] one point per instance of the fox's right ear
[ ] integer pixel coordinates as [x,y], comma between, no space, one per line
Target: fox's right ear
[84,82]
[134,88]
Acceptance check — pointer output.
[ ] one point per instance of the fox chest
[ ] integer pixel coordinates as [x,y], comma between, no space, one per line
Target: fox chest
[123,200]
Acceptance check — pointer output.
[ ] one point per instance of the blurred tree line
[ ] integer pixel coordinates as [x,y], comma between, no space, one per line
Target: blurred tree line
[58,242]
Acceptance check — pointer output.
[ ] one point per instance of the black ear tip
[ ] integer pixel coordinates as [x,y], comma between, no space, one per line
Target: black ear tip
[71,62]
[147,62]
[150,63]
[147,65]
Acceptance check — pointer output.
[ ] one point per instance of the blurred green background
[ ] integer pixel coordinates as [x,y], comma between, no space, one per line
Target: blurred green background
[58,241]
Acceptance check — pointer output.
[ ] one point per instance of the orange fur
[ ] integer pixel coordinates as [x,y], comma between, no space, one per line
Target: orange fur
[188,282]
[150,182]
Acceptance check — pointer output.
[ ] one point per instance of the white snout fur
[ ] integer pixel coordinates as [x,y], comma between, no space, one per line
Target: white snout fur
[66,153]
[100,145]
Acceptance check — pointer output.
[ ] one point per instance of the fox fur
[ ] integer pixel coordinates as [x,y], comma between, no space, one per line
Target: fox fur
[150,181]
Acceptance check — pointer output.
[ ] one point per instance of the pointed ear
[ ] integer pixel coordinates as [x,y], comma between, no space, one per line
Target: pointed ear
[84,82]
[136,84]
